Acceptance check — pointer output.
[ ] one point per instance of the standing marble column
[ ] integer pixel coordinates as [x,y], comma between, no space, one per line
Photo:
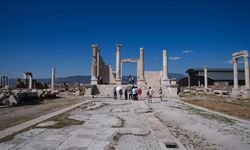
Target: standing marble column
[121,70]
[246,72]
[53,78]
[142,77]
[165,65]
[189,84]
[0,81]
[205,77]
[24,75]
[138,70]
[165,79]
[94,64]
[30,82]
[118,63]
[235,68]
[98,61]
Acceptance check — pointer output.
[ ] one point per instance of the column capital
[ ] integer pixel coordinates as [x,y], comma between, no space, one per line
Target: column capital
[141,48]
[118,46]
[205,66]
[94,46]
[234,60]
[98,48]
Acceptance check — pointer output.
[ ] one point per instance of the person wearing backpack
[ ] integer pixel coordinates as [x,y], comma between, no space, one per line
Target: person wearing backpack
[150,93]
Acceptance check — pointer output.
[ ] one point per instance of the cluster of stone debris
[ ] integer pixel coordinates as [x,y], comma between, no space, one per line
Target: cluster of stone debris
[15,97]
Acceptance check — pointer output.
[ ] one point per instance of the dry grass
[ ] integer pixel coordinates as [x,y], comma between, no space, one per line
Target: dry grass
[238,108]
[12,116]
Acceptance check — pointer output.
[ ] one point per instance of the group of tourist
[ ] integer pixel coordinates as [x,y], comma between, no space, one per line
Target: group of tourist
[129,93]
[133,93]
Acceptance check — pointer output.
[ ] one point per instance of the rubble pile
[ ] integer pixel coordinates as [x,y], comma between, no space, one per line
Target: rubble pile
[20,96]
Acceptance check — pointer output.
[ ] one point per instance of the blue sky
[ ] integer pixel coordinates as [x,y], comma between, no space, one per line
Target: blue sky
[36,35]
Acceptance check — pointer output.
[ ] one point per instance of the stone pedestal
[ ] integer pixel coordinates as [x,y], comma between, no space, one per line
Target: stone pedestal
[235,93]
[246,93]
[141,83]
[118,81]
[94,81]
[166,82]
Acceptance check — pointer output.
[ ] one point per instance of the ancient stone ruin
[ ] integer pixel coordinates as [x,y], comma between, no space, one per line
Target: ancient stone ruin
[155,79]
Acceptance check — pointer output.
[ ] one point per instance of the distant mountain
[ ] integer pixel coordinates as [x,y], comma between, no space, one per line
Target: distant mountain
[85,79]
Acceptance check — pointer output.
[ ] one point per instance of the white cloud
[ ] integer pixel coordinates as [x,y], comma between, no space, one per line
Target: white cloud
[187,52]
[174,58]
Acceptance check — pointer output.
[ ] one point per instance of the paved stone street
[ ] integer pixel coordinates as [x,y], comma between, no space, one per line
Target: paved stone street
[136,125]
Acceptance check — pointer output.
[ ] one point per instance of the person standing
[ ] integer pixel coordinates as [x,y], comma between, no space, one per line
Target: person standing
[92,92]
[120,93]
[139,91]
[115,93]
[130,93]
[134,92]
[126,94]
[132,79]
[150,93]
[129,79]
[160,93]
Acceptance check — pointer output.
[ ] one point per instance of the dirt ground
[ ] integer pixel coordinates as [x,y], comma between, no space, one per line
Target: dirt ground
[10,116]
[234,107]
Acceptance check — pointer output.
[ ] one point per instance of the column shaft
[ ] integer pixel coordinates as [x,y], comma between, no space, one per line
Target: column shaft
[30,82]
[142,78]
[246,72]
[235,68]
[189,84]
[205,77]
[165,65]
[53,78]
[94,63]
[138,70]
[118,62]
[98,62]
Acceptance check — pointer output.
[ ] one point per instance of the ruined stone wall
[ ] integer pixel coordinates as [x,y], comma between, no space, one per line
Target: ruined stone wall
[153,78]
[106,72]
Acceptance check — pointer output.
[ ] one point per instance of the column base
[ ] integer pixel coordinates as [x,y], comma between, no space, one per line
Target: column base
[94,81]
[165,82]
[142,83]
[235,93]
[118,81]
[246,93]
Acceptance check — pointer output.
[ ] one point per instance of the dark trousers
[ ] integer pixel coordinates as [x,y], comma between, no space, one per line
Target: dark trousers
[130,96]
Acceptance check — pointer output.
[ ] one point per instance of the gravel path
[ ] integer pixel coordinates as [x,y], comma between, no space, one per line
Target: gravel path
[201,129]
[136,125]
